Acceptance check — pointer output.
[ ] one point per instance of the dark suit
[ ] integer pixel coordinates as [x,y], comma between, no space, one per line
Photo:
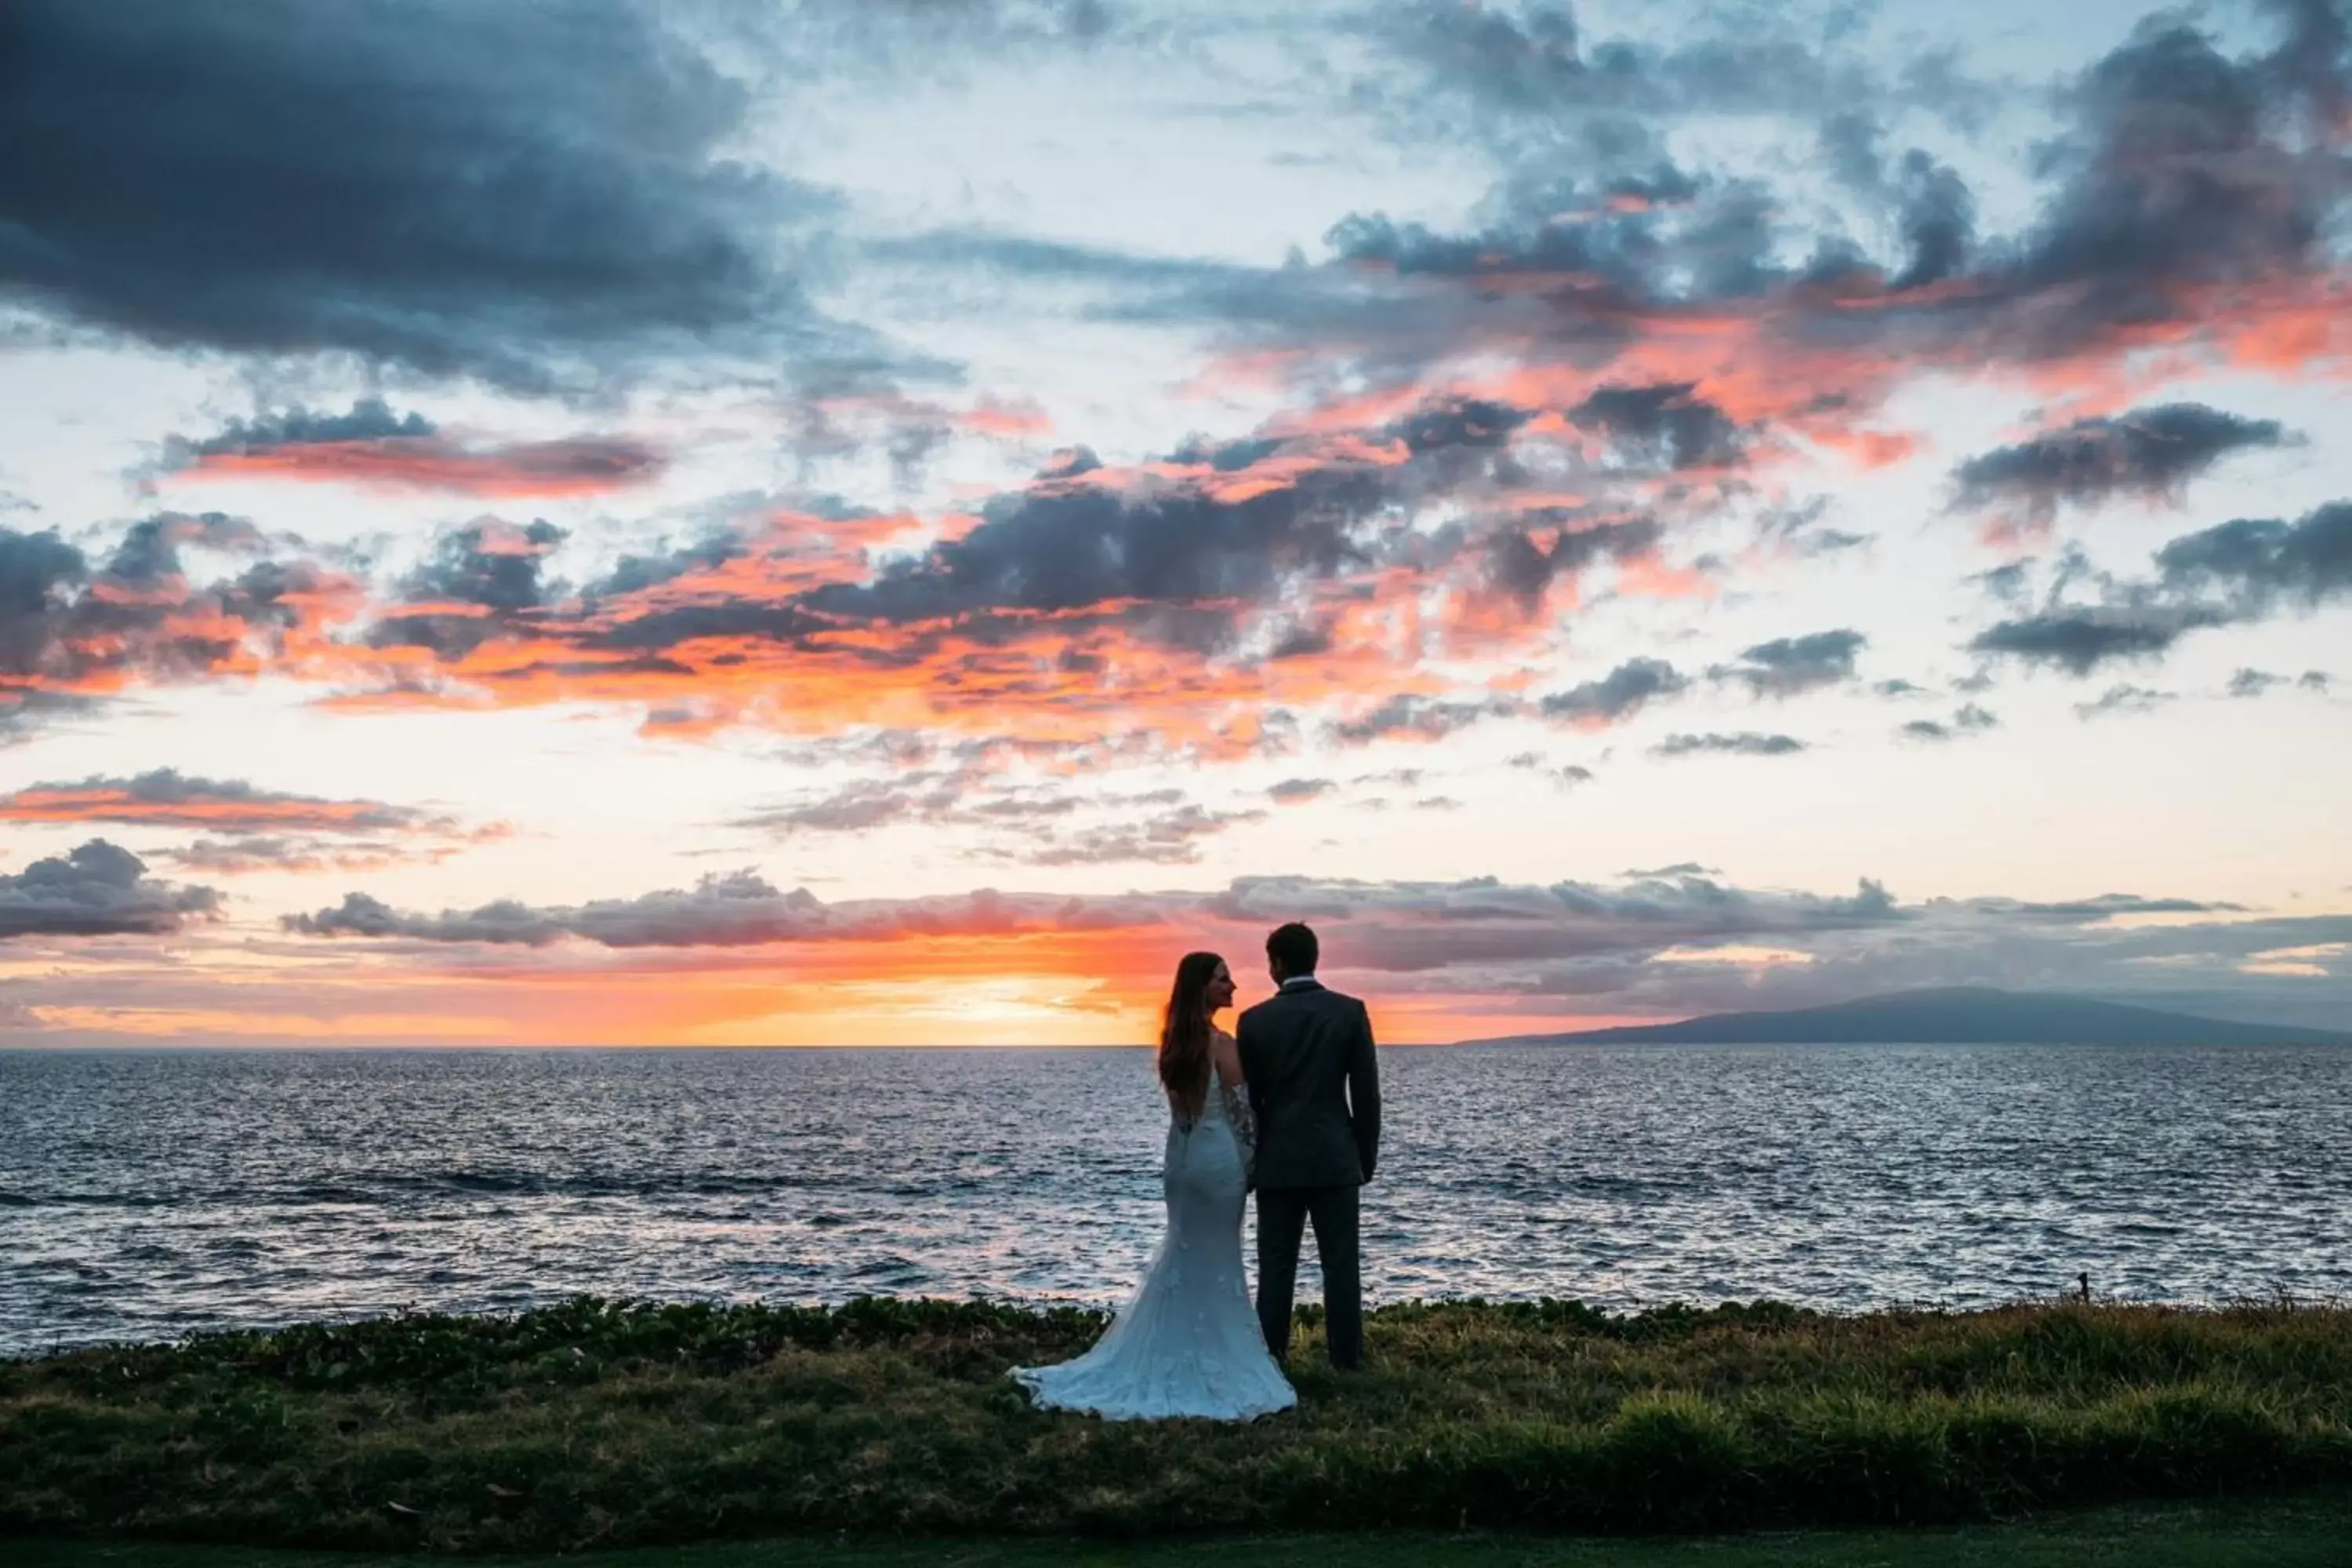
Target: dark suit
[1316,1089]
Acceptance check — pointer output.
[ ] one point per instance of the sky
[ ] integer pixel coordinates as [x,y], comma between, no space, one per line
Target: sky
[889,523]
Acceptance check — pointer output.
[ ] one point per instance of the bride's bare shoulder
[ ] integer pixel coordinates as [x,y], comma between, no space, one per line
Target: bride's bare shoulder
[1228,1056]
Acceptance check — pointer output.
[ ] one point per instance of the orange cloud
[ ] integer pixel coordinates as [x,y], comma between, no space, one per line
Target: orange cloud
[580,466]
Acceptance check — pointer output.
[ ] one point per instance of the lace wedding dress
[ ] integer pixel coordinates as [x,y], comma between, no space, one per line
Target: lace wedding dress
[1189,1341]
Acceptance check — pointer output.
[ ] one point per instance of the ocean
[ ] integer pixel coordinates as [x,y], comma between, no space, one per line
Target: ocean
[144,1195]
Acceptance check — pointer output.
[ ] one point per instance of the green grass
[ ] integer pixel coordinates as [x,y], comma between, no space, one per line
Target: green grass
[610,1425]
[2301,1533]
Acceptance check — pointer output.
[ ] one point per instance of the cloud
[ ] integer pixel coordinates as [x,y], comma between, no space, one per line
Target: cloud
[1786,667]
[1292,792]
[1034,826]
[285,854]
[2188,196]
[2241,571]
[1484,944]
[2259,565]
[1666,425]
[864,803]
[733,909]
[74,630]
[483,581]
[1968,719]
[371,445]
[2080,641]
[1211,525]
[1746,743]
[1622,692]
[1563,778]
[538,197]
[1167,838]
[2149,453]
[1411,717]
[165,797]
[25,712]
[1525,569]
[2104,907]
[97,890]
[1396,927]
[2124,700]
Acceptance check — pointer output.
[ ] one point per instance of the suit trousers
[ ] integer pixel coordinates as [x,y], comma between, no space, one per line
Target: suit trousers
[1283,1213]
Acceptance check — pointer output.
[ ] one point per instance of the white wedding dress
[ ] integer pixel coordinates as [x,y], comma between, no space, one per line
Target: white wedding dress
[1188,1343]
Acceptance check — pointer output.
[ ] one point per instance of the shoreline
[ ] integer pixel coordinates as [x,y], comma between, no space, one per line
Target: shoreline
[608,1424]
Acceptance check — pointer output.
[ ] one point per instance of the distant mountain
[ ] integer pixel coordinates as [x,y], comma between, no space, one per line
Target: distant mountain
[1957,1016]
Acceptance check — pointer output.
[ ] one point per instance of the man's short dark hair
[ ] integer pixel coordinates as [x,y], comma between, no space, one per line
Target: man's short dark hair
[1294,949]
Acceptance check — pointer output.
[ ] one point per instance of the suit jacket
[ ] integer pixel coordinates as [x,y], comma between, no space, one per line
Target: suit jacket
[1314,1086]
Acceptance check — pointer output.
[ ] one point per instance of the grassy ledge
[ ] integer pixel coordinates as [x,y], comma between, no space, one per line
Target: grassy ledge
[600,1424]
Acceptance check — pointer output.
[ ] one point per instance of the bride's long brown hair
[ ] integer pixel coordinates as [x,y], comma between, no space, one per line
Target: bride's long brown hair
[1184,1030]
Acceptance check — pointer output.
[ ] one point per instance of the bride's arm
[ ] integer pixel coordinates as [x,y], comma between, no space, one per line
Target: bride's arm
[1235,1093]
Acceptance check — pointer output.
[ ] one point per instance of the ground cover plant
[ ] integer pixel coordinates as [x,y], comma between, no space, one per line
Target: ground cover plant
[611,1424]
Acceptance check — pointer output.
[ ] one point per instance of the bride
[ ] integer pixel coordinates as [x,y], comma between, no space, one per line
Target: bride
[1188,1343]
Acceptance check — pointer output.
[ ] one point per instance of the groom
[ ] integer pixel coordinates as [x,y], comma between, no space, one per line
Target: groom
[1307,1054]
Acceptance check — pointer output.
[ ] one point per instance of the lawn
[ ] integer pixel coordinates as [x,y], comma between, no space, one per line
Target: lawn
[2304,1532]
[614,1426]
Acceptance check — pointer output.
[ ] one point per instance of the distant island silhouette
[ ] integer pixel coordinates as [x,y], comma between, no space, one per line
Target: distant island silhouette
[1950,1015]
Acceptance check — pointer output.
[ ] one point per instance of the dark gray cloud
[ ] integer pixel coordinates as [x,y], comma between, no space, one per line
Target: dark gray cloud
[1619,694]
[2180,166]
[24,713]
[369,419]
[1189,555]
[300,855]
[2104,907]
[2148,453]
[1530,79]
[2254,682]
[482,580]
[1047,826]
[2245,570]
[1290,791]
[1967,721]
[1399,927]
[2007,582]
[73,629]
[1525,569]
[167,797]
[864,804]
[2258,565]
[1409,716]
[727,910]
[373,445]
[2118,700]
[1798,528]
[1564,778]
[1786,667]
[1666,425]
[2179,175]
[2080,641]
[534,194]
[1569,946]
[1746,743]
[96,889]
